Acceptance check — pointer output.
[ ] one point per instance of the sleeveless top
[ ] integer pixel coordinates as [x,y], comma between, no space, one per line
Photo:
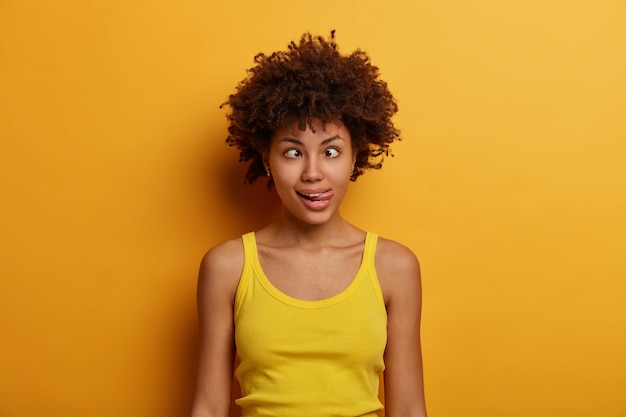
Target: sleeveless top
[302,358]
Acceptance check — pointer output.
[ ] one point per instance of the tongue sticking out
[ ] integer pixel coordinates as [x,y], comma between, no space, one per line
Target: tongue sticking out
[317,196]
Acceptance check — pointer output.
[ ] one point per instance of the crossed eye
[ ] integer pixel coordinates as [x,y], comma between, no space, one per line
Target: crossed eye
[331,152]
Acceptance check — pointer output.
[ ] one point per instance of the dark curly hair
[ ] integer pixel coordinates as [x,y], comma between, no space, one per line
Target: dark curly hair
[312,80]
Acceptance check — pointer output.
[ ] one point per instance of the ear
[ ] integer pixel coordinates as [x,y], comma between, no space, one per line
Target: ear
[265,157]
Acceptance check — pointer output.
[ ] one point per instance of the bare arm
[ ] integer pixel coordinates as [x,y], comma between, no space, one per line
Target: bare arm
[217,283]
[399,273]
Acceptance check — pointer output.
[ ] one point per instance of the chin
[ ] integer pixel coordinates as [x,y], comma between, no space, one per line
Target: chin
[313,219]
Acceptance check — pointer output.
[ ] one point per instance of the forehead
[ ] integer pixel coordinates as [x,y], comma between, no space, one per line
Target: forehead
[320,130]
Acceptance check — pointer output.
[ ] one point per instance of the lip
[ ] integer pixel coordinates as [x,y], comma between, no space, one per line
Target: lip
[315,199]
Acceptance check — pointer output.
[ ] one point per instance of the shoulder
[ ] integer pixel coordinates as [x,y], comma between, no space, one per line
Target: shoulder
[224,254]
[221,267]
[398,269]
[392,256]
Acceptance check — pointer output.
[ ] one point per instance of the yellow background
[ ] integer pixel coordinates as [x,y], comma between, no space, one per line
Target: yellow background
[510,185]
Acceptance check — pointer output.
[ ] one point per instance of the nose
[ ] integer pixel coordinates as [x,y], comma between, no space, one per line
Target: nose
[312,170]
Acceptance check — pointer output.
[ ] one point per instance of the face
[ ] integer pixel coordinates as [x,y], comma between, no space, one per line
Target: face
[311,170]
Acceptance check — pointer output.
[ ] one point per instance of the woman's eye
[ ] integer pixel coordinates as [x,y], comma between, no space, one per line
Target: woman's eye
[292,153]
[331,153]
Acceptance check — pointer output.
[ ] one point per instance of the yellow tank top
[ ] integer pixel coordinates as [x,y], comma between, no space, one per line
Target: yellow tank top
[309,358]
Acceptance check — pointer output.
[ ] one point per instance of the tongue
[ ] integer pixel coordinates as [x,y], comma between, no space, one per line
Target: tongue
[321,197]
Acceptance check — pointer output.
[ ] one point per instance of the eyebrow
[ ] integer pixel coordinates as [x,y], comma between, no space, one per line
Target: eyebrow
[299,142]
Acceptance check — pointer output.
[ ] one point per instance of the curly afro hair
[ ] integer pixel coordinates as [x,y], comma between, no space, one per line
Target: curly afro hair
[312,80]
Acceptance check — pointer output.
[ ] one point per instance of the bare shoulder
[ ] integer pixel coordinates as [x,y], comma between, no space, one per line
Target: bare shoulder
[398,272]
[221,267]
[398,269]
[392,256]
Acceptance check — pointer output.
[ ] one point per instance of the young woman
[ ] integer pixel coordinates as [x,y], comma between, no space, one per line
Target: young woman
[314,308]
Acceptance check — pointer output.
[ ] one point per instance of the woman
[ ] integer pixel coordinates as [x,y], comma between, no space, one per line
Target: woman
[313,307]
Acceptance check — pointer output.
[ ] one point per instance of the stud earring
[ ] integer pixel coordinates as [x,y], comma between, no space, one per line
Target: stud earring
[267,172]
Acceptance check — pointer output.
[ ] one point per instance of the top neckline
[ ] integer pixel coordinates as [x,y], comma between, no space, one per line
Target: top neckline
[311,304]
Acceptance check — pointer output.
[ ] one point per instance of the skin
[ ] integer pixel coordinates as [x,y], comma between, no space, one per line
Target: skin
[311,173]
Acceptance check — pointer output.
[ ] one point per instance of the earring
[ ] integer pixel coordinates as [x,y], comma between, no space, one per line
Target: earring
[267,172]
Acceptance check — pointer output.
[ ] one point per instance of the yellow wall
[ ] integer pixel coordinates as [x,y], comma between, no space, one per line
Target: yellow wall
[510,185]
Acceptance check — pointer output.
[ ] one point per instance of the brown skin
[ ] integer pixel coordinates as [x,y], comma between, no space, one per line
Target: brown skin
[290,248]
[399,276]
[217,282]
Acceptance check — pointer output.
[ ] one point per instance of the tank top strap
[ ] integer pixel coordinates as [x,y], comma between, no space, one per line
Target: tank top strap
[249,259]
[369,257]
[369,250]
[249,247]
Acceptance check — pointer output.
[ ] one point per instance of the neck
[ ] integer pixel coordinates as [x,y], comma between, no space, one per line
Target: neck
[289,231]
